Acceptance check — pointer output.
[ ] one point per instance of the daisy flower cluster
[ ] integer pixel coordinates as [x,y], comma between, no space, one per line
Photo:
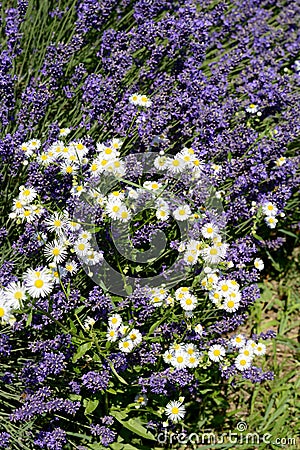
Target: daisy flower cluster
[26,206]
[270,211]
[128,338]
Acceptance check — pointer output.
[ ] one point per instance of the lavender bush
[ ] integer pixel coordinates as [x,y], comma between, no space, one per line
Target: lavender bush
[149,172]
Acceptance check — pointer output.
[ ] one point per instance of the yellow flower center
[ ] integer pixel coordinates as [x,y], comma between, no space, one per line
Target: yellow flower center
[2,312]
[39,284]
[175,410]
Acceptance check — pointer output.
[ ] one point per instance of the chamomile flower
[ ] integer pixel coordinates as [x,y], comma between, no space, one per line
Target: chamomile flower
[26,149]
[82,247]
[269,209]
[182,292]
[161,162]
[134,99]
[168,356]
[152,185]
[144,101]
[126,345]
[39,283]
[123,214]
[280,161]
[189,303]
[141,400]
[199,329]
[89,323]
[271,221]
[115,321]
[55,251]
[113,207]
[212,255]
[64,132]
[252,108]
[5,312]
[135,336]
[27,194]
[238,341]
[112,334]
[180,359]
[175,165]
[246,351]
[68,168]
[175,411]
[242,362]
[93,257]
[183,212]
[15,294]
[84,235]
[259,264]
[162,214]
[34,144]
[215,297]
[193,360]
[209,230]
[56,223]
[216,353]
[191,257]
[260,349]
[231,305]
[71,267]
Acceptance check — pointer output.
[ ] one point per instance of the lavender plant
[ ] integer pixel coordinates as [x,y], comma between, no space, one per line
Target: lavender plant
[149,168]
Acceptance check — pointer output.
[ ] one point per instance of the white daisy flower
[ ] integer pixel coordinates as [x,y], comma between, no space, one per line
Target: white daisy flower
[259,264]
[175,165]
[199,329]
[231,305]
[189,303]
[56,222]
[182,292]
[27,194]
[183,212]
[247,351]
[179,360]
[168,356]
[135,336]
[15,293]
[269,209]
[64,132]
[252,108]
[39,283]
[71,267]
[161,162]
[212,255]
[271,221]
[126,345]
[191,257]
[5,312]
[242,362]
[216,353]
[115,321]
[89,323]
[55,251]
[280,161]
[112,334]
[193,360]
[238,341]
[209,231]
[69,168]
[134,99]
[144,101]
[175,411]
[82,247]
[260,349]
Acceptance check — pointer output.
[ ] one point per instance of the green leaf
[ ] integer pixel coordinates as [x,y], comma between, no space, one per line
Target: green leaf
[289,233]
[116,373]
[134,425]
[81,351]
[120,446]
[29,319]
[91,405]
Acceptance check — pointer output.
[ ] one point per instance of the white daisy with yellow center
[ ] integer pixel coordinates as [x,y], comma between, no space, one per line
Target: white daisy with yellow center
[216,353]
[39,283]
[175,411]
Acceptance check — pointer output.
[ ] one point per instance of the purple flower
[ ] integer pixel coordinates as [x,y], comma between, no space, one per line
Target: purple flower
[96,381]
